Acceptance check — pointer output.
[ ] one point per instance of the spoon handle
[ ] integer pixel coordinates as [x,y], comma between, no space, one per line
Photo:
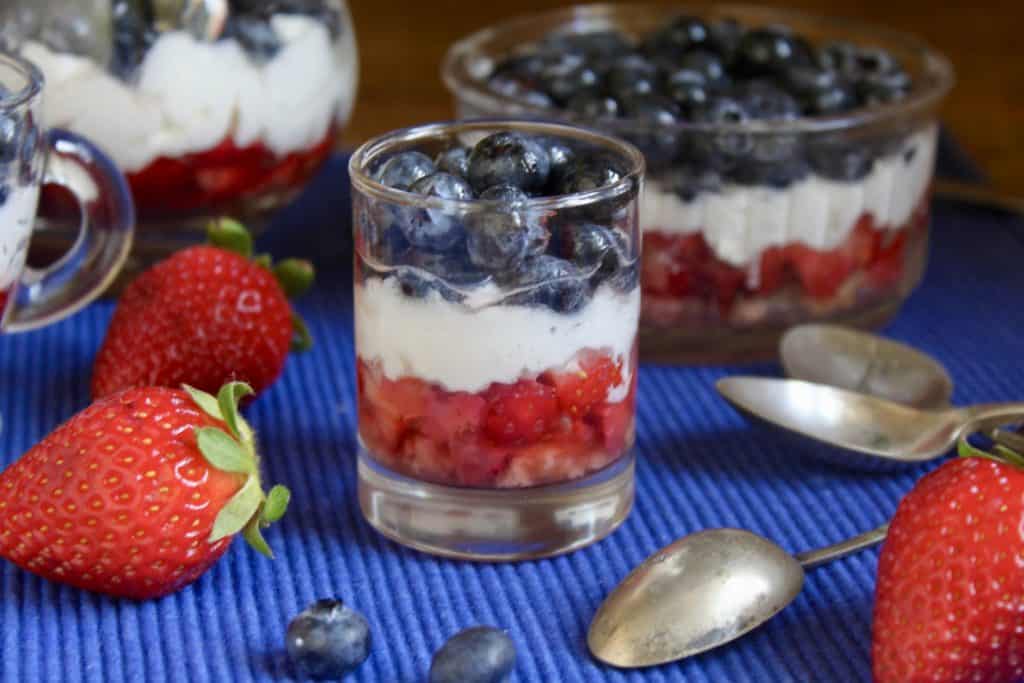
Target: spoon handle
[815,558]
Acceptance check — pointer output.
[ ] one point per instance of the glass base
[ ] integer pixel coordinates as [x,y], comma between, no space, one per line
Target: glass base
[496,525]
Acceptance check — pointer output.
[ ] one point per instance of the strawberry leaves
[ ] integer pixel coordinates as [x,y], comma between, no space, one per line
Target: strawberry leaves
[1006,446]
[249,510]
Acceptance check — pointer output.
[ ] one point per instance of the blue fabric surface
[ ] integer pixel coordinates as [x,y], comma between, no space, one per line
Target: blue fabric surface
[699,466]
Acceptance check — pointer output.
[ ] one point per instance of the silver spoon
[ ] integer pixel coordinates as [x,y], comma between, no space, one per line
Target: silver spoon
[871,431]
[702,591]
[865,362]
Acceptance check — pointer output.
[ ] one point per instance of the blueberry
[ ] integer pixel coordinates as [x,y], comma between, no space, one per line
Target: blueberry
[549,281]
[841,57]
[380,227]
[5,192]
[679,37]
[723,150]
[436,229]
[590,172]
[412,283]
[513,218]
[708,64]
[725,36]
[880,88]
[769,51]
[520,90]
[656,117]
[133,35]
[778,174]
[481,654]
[523,67]
[328,640]
[819,90]
[631,75]
[763,100]
[599,250]
[454,160]
[562,82]
[688,182]
[590,105]
[404,169]
[497,240]
[688,89]
[450,275]
[562,159]
[510,194]
[840,161]
[598,44]
[254,34]
[508,158]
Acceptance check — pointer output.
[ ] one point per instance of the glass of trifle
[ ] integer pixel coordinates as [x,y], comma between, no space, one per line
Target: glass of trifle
[207,106]
[789,157]
[496,306]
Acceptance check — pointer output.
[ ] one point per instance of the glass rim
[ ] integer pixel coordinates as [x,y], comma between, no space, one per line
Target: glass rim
[372,149]
[33,81]
[459,80]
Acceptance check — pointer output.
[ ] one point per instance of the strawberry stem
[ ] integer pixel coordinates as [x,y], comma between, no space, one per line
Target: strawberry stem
[295,276]
[230,235]
[302,340]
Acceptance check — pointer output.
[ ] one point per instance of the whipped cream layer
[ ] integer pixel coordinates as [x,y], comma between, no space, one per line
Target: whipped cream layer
[17,214]
[190,95]
[741,221]
[466,349]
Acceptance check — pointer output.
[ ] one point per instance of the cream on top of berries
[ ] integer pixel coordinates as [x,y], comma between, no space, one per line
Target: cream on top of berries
[190,95]
[740,221]
[17,214]
[462,348]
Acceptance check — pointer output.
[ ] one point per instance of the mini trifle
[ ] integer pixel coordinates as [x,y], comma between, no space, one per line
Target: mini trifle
[497,299]
[789,157]
[222,106]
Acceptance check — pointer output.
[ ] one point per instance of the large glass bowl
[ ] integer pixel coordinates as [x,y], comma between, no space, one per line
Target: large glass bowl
[819,218]
[208,106]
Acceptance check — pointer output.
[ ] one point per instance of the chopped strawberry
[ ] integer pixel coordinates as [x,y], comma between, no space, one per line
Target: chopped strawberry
[519,413]
[821,273]
[588,386]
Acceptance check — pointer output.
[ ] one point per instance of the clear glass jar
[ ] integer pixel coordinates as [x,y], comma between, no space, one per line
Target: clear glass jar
[754,226]
[495,352]
[207,106]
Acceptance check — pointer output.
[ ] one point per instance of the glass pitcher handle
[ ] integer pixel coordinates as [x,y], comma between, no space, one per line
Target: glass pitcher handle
[104,236]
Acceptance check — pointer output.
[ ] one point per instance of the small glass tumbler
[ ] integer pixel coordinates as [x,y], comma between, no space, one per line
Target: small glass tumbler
[496,347]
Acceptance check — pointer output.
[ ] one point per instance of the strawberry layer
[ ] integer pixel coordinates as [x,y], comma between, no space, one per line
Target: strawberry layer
[555,427]
[683,279]
[224,175]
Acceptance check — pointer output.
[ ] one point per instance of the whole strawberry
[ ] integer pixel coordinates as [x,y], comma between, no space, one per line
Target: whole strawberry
[949,604]
[139,494]
[205,316]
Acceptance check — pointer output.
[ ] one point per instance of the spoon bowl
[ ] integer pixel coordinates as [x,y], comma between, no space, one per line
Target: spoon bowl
[865,362]
[870,431]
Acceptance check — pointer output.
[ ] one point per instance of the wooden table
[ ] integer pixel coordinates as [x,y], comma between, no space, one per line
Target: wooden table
[402,42]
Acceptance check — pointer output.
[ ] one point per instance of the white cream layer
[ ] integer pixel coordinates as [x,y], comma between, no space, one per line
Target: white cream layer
[191,95]
[465,349]
[741,221]
[17,214]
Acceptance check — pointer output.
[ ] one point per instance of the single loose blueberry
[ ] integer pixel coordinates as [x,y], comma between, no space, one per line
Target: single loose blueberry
[404,169]
[552,282]
[328,640]
[508,158]
[481,654]
[454,160]
[436,229]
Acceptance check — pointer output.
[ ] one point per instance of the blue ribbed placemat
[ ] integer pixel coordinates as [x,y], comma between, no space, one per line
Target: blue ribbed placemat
[699,466]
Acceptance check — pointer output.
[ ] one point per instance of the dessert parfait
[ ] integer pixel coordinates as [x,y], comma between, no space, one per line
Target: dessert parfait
[496,305]
[789,158]
[223,105]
